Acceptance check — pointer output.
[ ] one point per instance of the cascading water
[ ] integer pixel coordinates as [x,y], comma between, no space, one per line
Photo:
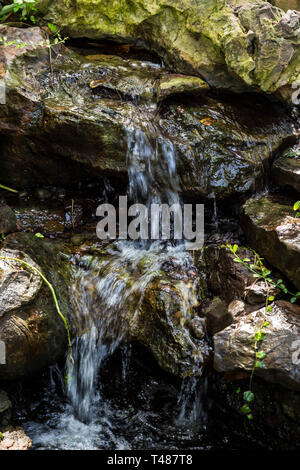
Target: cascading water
[108,290]
[101,295]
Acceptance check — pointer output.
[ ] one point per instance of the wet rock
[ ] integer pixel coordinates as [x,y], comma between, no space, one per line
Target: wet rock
[257,292]
[171,85]
[206,40]
[15,439]
[234,346]
[236,308]
[273,231]
[8,221]
[75,131]
[18,286]
[151,299]
[30,328]
[5,409]
[290,403]
[49,220]
[226,278]
[217,316]
[163,325]
[286,169]
[287,4]
[43,194]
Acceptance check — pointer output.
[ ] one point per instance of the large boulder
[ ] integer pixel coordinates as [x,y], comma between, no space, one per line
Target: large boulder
[286,168]
[234,346]
[233,45]
[149,297]
[273,230]
[33,333]
[287,4]
[89,126]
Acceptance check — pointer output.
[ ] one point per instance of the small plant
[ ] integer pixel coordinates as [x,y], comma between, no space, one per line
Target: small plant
[39,235]
[8,189]
[47,43]
[1,436]
[25,8]
[296,207]
[260,272]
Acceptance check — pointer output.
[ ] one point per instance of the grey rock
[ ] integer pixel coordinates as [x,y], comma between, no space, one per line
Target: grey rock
[8,221]
[217,316]
[234,346]
[18,286]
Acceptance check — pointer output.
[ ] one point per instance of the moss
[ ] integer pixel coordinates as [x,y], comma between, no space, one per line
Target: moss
[204,38]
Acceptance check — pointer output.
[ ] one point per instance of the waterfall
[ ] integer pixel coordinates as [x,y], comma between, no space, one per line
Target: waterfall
[107,287]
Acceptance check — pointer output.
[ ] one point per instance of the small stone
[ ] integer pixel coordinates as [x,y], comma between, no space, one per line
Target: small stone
[61,193]
[5,403]
[217,315]
[77,239]
[197,327]
[257,293]
[8,221]
[173,84]
[236,308]
[42,194]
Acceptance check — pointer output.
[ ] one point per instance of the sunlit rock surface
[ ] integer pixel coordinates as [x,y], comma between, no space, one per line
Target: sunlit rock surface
[273,230]
[233,45]
[234,346]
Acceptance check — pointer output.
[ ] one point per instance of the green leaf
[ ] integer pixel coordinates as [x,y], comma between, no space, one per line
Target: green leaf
[293,300]
[257,336]
[248,396]
[259,364]
[271,298]
[245,409]
[296,205]
[260,355]
[267,323]
[250,416]
[39,235]
[238,390]
[235,248]
[52,27]
[269,308]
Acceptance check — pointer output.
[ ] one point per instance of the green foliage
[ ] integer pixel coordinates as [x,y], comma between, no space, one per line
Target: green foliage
[39,235]
[260,272]
[25,8]
[1,436]
[296,207]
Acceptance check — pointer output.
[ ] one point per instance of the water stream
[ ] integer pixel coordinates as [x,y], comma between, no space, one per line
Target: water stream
[107,293]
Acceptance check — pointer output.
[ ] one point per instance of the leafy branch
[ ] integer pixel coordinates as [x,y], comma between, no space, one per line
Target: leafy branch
[260,272]
[24,7]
